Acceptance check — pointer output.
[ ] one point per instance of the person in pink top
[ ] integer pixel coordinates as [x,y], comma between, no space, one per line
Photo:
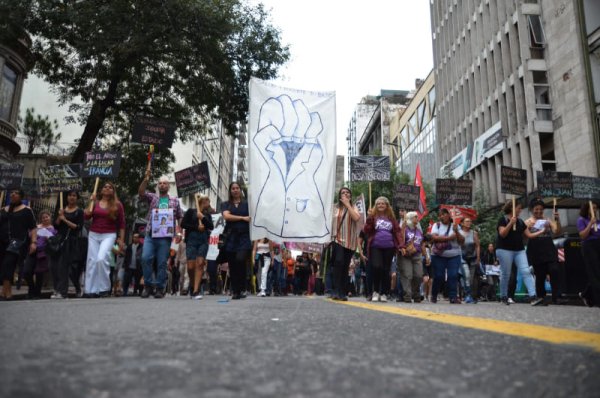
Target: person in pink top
[108,220]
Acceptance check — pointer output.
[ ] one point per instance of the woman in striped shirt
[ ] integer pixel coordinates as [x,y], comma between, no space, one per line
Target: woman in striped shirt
[344,242]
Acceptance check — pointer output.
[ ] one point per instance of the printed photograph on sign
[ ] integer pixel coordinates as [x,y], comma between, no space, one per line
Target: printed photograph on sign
[163,223]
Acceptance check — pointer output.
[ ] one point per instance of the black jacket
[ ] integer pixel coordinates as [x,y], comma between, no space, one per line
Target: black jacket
[138,256]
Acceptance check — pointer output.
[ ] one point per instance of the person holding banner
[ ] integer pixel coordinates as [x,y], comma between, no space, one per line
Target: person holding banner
[345,241]
[157,241]
[541,252]
[197,224]
[589,232]
[68,223]
[446,255]
[510,248]
[238,245]
[108,220]
[18,237]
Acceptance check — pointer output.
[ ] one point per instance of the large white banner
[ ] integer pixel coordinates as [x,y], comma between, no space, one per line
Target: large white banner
[292,153]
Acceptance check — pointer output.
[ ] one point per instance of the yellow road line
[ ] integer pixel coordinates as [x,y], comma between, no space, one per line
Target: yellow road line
[537,332]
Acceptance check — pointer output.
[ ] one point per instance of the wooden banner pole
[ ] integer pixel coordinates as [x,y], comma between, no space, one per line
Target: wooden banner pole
[94,193]
[61,200]
[514,208]
[593,215]
[370,205]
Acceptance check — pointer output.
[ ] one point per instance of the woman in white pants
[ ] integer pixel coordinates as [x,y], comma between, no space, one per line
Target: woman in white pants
[108,220]
[264,249]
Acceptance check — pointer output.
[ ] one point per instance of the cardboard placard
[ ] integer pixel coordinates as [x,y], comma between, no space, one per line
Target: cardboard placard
[513,181]
[555,184]
[151,131]
[586,188]
[101,164]
[192,179]
[370,168]
[406,197]
[449,191]
[60,178]
[11,175]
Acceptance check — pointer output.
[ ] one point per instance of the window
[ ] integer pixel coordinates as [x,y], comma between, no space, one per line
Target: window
[536,37]
[7,92]
[431,96]
[422,115]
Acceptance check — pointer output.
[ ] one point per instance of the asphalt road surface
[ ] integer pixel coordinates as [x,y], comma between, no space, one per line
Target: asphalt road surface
[295,347]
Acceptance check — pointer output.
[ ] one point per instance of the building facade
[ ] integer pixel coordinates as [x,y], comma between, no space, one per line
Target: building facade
[216,148]
[413,133]
[15,62]
[369,129]
[511,89]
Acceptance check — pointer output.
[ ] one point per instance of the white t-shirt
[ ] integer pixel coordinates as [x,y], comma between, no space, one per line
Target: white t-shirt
[455,249]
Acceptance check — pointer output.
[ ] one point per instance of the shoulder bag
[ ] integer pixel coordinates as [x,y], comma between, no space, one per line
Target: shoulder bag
[440,247]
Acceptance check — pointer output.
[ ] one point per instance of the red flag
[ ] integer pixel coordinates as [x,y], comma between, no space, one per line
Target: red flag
[459,212]
[422,210]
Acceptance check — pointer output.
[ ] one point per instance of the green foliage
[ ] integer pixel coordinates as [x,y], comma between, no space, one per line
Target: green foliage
[39,132]
[487,218]
[187,61]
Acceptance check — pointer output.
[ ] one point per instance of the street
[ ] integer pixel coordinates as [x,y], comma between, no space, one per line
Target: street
[292,346]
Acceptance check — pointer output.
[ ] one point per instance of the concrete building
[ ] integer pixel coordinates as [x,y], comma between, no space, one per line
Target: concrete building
[512,88]
[413,132]
[590,31]
[15,62]
[369,128]
[216,148]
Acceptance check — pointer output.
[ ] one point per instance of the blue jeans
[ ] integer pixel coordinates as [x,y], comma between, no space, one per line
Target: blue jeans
[442,266]
[273,281]
[506,258]
[155,248]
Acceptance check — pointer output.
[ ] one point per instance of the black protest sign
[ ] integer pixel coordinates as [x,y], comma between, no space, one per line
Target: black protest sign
[586,188]
[449,191]
[101,164]
[554,184]
[11,175]
[192,179]
[370,168]
[151,131]
[60,178]
[513,181]
[406,197]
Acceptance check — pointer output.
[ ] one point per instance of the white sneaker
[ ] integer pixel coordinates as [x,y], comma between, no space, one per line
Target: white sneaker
[261,294]
[383,298]
[198,297]
[511,301]
[375,297]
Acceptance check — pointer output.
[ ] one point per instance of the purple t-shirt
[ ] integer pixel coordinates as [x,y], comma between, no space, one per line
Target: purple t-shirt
[414,235]
[383,238]
[582,223]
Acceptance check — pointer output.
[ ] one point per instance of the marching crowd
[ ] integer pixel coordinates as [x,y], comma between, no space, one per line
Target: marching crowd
[383,258]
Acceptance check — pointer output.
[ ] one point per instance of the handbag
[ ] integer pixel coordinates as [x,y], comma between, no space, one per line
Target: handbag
[410,248]
[440,247]
[14,245]
[55,243]
[223,239]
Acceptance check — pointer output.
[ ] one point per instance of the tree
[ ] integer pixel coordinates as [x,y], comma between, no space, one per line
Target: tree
[182,60]
[39,132]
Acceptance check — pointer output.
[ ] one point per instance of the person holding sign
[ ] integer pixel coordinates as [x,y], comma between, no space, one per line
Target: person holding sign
[18,237]
[197,224]
[541,252]
[446,255]
[589,232]
[108,219]
[510,248]
[157,241]
[68,223]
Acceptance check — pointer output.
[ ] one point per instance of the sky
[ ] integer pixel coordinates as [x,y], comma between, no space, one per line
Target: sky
[354,48]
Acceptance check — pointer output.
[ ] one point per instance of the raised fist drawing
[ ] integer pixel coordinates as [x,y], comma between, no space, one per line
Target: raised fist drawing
[290,204]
